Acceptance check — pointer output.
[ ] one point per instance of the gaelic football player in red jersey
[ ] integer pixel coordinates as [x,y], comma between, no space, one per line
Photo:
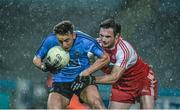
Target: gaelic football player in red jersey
[132,79]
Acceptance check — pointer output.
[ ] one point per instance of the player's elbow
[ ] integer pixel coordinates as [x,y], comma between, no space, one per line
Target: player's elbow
[36,61]
[115,78]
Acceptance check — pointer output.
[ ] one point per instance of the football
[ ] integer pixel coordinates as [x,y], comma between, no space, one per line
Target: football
[57,57]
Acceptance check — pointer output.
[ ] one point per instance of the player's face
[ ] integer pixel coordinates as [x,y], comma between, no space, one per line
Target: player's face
[107,37]
[66,40]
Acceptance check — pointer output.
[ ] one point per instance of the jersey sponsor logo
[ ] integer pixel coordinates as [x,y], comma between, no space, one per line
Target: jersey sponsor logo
[77,54]
[74,62]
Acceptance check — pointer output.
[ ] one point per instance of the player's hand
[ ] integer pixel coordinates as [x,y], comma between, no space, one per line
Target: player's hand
[78,84]
[48,67]
[82,82]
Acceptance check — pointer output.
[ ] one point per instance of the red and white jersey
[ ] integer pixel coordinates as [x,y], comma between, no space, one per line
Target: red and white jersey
[125,56]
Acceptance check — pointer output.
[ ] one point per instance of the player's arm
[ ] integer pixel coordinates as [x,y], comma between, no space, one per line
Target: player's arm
[38,59]
[82,82]
[38,62]
[43,65]
[114,76]
[85,79]
[98,64]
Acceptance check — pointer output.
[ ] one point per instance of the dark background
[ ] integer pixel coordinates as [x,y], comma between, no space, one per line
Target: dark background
[151,26]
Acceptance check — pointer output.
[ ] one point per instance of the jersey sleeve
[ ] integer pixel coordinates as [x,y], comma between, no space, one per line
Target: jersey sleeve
[43,49]
[46,44]
[122,56]
[96,49]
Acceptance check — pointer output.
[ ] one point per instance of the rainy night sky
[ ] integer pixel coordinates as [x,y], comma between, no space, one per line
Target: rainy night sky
[151,26]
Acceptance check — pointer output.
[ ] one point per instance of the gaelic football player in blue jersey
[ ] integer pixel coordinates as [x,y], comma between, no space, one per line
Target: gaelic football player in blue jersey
[79,69]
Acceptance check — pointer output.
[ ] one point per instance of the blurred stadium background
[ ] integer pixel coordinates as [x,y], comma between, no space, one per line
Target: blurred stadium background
[152,26]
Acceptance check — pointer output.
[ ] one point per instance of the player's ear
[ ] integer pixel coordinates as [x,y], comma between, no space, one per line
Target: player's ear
[74,35]
[117,35]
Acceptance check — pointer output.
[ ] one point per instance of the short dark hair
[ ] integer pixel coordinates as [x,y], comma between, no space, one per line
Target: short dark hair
[110,23]
[65,27]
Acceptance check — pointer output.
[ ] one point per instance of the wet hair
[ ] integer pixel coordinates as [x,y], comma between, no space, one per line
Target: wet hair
[64,28]
[110,23]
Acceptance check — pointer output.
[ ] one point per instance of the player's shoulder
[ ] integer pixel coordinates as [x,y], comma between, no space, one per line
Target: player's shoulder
[50,39]
[124,42]
[84,36]
[51,36]
[125,46]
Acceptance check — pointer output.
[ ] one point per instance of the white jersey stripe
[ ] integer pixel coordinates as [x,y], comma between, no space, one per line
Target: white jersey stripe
[126,53]
[123,62]
[151,77]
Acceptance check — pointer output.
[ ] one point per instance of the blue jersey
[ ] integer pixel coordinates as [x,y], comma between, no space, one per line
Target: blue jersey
[79,60]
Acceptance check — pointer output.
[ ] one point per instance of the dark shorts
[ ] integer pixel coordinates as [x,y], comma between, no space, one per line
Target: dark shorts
[64,89]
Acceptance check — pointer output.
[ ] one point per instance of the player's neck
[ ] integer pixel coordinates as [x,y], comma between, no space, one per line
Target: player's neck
[114,45]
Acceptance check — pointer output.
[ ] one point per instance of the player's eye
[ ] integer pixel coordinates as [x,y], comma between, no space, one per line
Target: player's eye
[66,40]
[100,35]
[107,36]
